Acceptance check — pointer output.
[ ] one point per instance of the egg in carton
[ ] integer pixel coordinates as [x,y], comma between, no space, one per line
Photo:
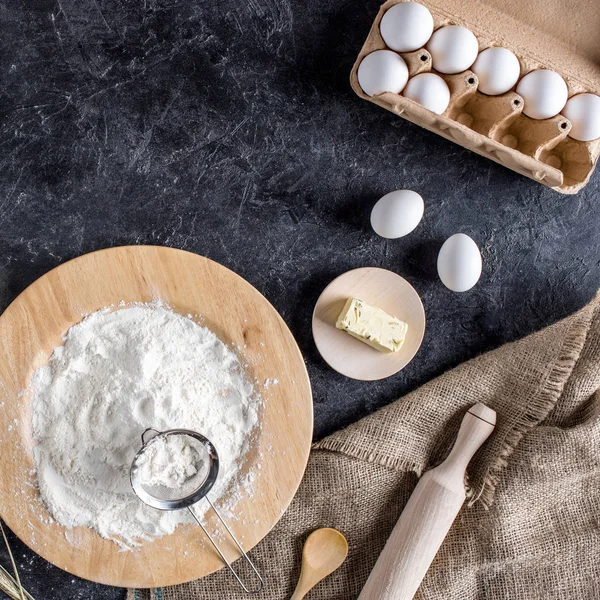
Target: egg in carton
[541,36]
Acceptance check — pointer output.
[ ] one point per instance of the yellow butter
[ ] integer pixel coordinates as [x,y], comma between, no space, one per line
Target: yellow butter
[372,326]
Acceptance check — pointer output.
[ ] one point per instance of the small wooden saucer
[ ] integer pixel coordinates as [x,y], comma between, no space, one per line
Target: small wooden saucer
[380,288]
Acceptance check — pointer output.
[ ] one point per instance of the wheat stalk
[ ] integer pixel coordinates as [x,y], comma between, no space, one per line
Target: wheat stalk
[10,585]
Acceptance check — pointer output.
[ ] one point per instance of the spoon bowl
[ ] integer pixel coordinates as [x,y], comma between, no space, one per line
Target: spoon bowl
[324,551]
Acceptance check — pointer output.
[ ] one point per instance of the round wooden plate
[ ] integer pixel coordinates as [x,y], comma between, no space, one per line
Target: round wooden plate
[33,325]
[380,288]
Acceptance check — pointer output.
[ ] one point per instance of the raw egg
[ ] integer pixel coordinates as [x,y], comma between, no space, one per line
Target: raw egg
[459,263]
[382,71]
[544,94]
[498,70]
[406,26]
[583,111]
[429,90]
[397,213]
[453,49]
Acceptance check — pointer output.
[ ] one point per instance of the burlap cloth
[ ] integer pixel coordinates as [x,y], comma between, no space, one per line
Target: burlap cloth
[532,527]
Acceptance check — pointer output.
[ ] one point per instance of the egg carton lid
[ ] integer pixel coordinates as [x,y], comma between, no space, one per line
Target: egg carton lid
[560,35]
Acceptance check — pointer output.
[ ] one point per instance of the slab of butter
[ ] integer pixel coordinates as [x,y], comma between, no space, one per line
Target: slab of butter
[372,326]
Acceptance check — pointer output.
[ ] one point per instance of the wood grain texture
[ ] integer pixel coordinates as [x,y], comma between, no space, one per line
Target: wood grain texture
[33,326]
[428,515]
[325,550]
[380,288]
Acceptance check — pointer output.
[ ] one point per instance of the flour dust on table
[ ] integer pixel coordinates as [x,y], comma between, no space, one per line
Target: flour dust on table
[118,373]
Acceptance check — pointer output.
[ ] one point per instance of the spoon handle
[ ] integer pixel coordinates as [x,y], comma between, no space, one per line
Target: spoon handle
[301,590]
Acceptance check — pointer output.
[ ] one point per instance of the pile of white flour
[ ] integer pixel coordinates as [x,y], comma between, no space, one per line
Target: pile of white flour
[117,374]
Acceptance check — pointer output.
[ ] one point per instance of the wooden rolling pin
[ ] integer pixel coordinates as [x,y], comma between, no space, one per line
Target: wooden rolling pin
[428,515]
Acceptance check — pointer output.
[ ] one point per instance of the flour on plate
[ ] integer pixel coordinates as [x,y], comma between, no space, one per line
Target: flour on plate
[117,374]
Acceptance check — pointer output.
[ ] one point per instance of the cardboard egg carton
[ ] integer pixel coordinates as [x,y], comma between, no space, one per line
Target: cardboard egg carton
[544,34]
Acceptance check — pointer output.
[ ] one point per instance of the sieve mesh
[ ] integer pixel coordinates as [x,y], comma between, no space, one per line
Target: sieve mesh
[172,467]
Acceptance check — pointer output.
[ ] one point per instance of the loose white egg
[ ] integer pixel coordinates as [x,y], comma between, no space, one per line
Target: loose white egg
[544,94]
[406,26]
[430,90]
[382,71]
[498,70]
[459,263]
[397,213]
[453,49]
[583,111]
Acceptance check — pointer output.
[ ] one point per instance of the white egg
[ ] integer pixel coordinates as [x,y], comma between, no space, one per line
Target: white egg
[430,90]
[453,49]
[397,213]
[406,26]
[583,111]
[544,94]
[498,70]
[382,71]
[459,263]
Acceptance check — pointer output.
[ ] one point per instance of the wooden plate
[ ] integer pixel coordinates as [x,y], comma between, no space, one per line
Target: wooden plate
[383,289]
[32,326]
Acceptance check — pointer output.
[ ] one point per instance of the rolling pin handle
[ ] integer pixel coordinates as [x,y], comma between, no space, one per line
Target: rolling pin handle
[428,515]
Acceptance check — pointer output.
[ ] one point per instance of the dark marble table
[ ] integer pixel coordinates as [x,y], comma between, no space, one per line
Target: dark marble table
[229,129]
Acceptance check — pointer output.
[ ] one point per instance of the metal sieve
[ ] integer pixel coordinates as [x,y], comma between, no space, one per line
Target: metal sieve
[195,486]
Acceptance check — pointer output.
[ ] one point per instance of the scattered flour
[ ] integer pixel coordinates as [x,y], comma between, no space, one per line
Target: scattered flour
[117,374]
[269,382]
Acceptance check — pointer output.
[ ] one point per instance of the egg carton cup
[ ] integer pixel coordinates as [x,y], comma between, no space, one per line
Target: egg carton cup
[495,126]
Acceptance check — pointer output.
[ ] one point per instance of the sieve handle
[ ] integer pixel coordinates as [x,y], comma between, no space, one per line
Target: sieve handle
[246,557]
[149,434]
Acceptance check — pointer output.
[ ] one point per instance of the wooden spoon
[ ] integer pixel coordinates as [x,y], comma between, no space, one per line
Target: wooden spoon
[324,551]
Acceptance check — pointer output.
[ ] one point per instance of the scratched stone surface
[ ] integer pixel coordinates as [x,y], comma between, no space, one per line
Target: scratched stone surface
[229,129]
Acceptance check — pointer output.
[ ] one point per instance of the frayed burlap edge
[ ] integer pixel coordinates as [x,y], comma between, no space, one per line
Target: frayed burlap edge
[539,408]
